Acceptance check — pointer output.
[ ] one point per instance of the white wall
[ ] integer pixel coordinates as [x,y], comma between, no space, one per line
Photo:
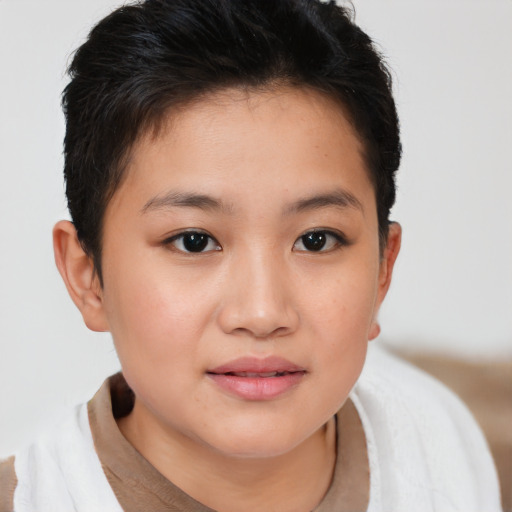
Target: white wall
[453,286]
[453,66]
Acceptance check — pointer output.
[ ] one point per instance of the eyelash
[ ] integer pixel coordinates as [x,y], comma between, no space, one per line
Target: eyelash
[338,240]
[180,237]
[204,240]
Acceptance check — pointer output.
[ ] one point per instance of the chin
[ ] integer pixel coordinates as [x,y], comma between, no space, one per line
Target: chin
[256,450]
[258,444]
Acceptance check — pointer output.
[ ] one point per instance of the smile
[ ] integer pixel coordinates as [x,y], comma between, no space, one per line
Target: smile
[257,379]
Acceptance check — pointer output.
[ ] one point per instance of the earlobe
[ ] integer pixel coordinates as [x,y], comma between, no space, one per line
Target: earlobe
[80,278]
[374,330]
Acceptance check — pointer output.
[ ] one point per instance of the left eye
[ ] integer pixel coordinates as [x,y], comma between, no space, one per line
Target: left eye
[193,241]
[319,241]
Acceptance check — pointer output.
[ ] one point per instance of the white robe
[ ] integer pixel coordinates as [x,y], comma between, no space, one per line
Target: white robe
[426,453]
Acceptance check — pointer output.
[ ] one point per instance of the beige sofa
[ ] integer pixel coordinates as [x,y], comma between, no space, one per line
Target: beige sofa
[486,387]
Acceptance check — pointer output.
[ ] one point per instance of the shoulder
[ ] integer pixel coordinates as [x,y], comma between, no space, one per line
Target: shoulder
[8,482]
[62,467]
[422,430]
[402,384]
[410,393]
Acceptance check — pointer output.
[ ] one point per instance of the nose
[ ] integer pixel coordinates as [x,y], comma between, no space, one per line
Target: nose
[259,300]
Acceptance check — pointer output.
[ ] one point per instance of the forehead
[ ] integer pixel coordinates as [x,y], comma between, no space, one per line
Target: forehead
[293,140]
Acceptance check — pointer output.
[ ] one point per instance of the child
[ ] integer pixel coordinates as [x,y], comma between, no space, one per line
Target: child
[229,170]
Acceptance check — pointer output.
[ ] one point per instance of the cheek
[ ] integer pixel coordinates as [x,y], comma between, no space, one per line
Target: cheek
[340,313]
[343,302]
[342,334]
[152,318]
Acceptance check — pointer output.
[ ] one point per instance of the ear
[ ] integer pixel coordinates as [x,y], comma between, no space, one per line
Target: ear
[385,272]
[77,271]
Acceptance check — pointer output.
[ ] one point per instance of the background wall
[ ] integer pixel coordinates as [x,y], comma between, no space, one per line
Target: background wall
[452,292]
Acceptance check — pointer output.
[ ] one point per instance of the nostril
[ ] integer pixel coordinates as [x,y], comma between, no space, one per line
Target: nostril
[261,333]
[262,311]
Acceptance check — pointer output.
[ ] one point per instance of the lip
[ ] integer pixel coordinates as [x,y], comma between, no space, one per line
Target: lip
[256,379]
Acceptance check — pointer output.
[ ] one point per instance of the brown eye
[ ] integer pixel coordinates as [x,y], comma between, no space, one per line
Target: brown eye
[319,241]
[193,242]
[314,241]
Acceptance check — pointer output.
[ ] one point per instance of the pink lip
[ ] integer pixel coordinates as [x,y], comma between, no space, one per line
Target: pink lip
[258,384]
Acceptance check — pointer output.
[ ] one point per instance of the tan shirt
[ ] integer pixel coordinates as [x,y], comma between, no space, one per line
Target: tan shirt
[139,486]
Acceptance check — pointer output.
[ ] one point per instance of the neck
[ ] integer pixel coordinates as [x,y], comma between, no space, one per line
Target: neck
[295,481]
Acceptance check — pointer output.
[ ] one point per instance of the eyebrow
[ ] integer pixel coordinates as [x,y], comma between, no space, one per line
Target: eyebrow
[339,198]
[183,199]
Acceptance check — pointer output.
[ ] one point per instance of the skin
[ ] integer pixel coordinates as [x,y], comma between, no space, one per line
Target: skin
[256,291]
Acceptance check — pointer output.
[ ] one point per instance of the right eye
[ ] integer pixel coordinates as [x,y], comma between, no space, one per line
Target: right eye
[193,242]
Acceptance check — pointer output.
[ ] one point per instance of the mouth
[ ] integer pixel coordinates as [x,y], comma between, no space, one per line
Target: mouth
[258,375]
[257,379]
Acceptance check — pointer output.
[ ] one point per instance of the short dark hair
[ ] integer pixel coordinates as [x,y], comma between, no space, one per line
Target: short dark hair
[145,58]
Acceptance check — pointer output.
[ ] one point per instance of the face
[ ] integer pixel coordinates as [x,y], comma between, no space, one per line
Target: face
[242,271]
